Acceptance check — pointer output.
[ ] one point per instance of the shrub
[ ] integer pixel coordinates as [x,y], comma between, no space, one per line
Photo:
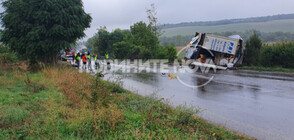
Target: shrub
[3,49]
[167,52]
[278,55]
[8,58]
[171,53]
[185,114]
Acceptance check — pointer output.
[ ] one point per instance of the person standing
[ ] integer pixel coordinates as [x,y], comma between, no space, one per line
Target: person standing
[78,60]
[89,61]
[107,58]
[106,55]
[96,62]
[84,61]
[75,58]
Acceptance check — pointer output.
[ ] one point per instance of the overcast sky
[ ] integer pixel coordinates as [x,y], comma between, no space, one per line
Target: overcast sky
[123,13]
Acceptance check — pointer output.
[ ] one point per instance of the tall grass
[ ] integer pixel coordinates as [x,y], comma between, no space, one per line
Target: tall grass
[14,115]
[73,105]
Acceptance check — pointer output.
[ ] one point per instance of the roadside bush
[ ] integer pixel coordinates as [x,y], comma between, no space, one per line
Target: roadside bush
[161,52]
[185,114]
[278,55]
[117,86]
[167,52]
[171,53]
[3,49]
[6,55]
[8,58]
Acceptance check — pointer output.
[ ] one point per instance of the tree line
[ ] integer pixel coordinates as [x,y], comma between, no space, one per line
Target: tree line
[140,42]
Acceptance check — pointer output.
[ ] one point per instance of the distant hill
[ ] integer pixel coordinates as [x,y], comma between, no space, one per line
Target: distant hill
[276,23]
[231,21]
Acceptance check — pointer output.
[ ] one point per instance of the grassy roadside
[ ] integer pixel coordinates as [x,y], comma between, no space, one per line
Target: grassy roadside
[60,103]
[259,68]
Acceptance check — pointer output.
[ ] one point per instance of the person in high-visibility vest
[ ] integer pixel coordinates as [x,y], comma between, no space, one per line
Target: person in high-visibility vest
[106,56]
[96,62]
[95,57]
[75,58]
[89,60]
[78,60]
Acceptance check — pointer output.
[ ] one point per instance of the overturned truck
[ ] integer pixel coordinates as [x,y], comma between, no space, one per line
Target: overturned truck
[225,52]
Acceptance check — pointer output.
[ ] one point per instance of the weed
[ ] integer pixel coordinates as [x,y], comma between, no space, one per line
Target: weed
[116,83]
[4,134]
[34,86]
[14,115]
[185,113]
[114,116]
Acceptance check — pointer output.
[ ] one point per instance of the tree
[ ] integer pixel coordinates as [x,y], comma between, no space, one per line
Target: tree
[143,36]
[123,50]
[103,41]
[171,53]
[39,29]
[93,43]
[153,21]
[137,43]
[161,52]
[116,36]
[167,52]
[252,51]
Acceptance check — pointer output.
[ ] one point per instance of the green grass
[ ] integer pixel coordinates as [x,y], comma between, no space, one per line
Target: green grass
[259,68]
[14,115]
[19,105]
[271,26]
[61,103]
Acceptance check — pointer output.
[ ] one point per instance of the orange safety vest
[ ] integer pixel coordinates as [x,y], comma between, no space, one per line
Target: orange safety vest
[84,59]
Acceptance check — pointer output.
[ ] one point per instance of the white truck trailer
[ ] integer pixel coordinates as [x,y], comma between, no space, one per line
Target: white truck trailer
[224,51]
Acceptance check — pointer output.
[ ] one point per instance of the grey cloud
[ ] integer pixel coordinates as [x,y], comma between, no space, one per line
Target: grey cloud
[123,13]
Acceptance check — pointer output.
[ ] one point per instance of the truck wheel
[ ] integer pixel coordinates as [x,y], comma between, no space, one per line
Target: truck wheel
[191,66]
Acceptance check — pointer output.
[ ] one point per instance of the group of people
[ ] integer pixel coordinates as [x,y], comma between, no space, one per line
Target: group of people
[86,58]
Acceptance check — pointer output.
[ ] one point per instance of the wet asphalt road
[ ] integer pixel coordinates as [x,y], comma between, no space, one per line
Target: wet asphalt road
[258,104]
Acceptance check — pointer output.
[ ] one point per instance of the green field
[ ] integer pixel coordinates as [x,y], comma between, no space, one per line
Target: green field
[270,26]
